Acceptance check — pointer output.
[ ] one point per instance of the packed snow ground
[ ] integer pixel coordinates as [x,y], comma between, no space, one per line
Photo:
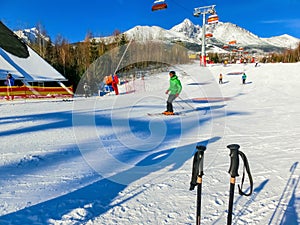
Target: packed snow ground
[102,160]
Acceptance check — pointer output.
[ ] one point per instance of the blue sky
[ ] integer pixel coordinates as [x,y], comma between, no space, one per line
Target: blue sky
[73,19]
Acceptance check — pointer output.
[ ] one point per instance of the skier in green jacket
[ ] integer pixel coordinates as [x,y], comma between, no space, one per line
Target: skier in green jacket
[173,91]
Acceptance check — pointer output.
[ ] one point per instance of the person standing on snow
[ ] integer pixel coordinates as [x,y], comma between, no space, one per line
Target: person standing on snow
[10,82]
[173,91]
[220,78]
[87,90]
[244,77]
[115,82]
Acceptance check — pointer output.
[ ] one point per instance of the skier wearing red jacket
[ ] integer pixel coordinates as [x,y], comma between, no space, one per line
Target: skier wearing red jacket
[115,82]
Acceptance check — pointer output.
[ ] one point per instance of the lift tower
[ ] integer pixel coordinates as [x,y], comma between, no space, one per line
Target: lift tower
[197,12]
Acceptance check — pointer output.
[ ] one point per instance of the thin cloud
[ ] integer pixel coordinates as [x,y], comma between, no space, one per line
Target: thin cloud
[293,24]
[286,21]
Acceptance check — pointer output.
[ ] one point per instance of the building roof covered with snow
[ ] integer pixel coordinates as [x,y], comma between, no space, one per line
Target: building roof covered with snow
[21,61]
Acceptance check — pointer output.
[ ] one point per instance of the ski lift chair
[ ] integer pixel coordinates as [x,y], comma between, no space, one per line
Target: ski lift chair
[208,35]
[213,19]
[159,5]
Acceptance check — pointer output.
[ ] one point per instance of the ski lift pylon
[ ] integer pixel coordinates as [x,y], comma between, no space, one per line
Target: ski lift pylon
[159,5]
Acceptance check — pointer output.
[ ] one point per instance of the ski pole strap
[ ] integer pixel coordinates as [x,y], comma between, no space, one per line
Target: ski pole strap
[247,168]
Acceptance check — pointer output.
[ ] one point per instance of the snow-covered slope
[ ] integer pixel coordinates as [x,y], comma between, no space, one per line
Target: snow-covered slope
[31,35]
[284,40]
[226,32]
[188,29]
[223,33]
[147,33]
[103,161]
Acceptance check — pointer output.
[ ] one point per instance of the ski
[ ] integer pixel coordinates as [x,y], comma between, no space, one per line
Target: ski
[161,114]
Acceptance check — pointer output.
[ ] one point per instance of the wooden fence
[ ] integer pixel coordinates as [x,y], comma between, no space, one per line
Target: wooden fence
[36,91]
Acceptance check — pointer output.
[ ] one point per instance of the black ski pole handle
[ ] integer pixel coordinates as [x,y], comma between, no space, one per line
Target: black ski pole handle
[234,160]
[200,152]
[201,149]
[197,171]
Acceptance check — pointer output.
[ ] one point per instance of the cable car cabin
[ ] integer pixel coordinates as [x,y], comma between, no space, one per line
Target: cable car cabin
[159,5]
[213,19]
[208,35]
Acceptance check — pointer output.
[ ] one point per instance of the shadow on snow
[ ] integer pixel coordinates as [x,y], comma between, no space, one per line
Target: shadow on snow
[98,197]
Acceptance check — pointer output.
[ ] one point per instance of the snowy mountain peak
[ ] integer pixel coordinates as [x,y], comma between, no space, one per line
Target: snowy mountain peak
[31,35]
[147,33]
[283,40]
[187,28]
[226,32]
[186,31]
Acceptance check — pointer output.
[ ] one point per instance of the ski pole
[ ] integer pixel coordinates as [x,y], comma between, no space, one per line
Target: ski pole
[196,180]
[180,104]
[233,171]
[186,102]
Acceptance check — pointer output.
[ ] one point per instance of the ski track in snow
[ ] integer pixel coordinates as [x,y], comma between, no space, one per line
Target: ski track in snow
[52,152]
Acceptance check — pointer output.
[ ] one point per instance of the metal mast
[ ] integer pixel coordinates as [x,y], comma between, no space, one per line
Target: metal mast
[197,12]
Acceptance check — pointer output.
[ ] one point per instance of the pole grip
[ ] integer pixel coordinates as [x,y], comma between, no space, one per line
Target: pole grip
[197,171]
[201,149]
[234,160]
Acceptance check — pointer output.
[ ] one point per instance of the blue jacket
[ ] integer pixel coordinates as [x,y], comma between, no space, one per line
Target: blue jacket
[10,82]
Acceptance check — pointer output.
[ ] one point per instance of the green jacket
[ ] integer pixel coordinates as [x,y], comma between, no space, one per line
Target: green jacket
[175,85]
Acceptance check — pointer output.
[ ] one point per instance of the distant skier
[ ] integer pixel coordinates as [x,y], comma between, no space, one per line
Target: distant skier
[10,82]
[244,77]
[101,88]
[221,78]
[173,91]
[115,82]
[87,90]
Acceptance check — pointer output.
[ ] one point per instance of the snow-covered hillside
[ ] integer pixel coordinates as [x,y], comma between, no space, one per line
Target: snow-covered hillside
[284,40]
[147,33]
[226,32]
[186,31]
[32,35]
[103,161]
